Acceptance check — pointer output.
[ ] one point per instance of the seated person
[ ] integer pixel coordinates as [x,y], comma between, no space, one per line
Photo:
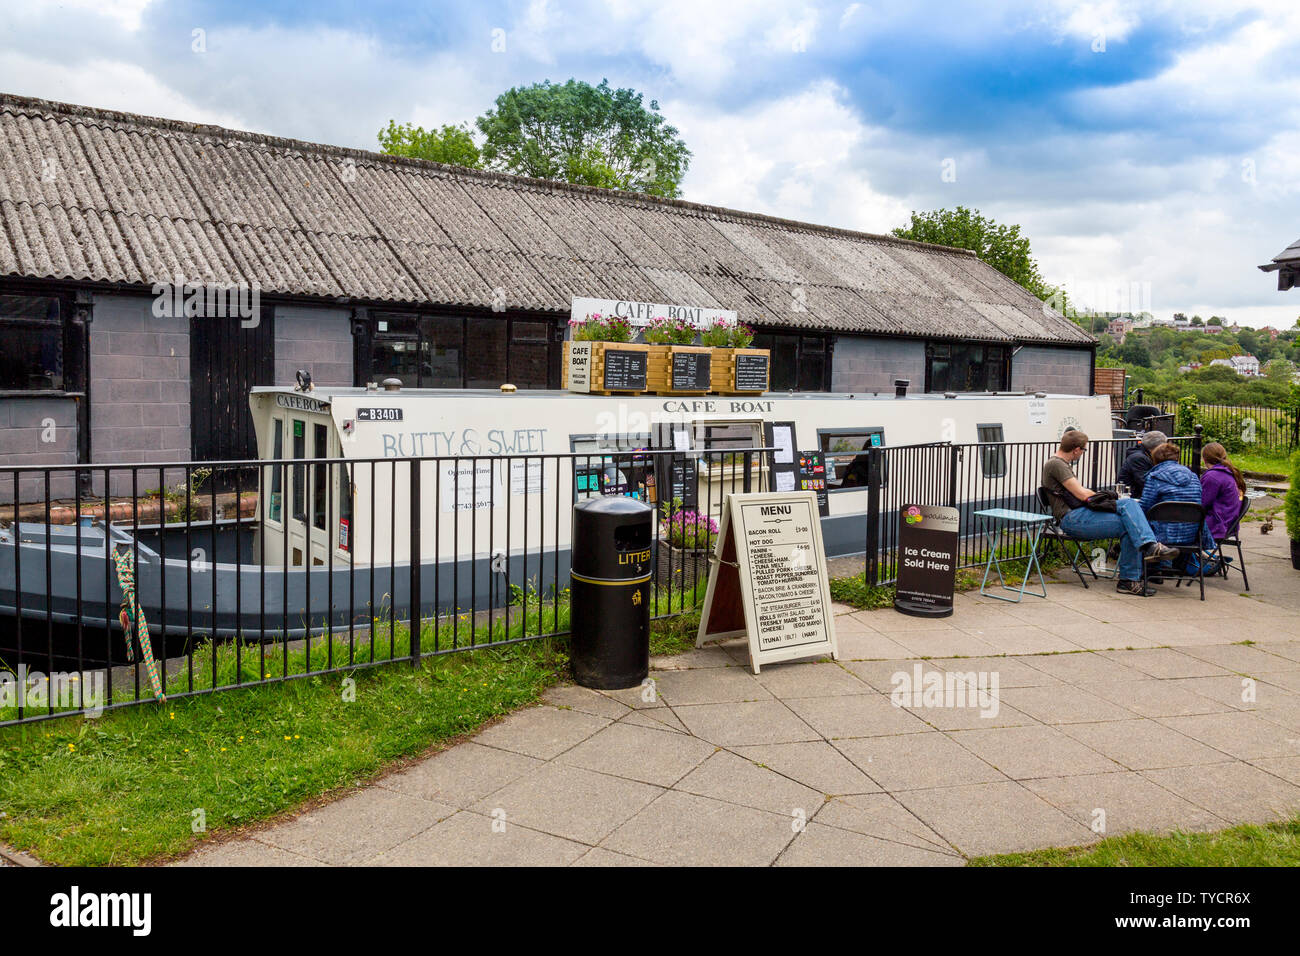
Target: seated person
[1133,472]
[1223,489]
[1168,480]
[1066,495]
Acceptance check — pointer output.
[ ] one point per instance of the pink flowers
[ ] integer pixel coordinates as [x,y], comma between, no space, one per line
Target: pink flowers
[691,531]
[598,328]
[728,335]
[663,331]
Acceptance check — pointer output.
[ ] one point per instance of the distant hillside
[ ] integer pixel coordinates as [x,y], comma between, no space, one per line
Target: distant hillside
[1154,355]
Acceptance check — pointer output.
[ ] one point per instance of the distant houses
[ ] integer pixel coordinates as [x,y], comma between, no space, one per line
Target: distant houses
[1244,365]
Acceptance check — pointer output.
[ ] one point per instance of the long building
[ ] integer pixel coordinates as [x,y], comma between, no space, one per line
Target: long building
[358,266]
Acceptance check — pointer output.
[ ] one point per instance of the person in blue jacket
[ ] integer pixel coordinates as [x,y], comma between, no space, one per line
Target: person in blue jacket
[1170,481]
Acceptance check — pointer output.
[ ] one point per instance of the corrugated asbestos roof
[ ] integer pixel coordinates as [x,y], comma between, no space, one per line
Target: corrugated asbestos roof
[95,195]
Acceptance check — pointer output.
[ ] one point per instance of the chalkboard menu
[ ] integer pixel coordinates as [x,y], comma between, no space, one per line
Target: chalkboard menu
[683,482]
[691,371]
[625,370]
[751,373]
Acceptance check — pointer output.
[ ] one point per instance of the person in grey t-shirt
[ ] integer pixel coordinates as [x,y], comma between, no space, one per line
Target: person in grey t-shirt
[1067,494]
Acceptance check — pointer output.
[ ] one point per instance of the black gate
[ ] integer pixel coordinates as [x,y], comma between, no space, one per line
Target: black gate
[226,360]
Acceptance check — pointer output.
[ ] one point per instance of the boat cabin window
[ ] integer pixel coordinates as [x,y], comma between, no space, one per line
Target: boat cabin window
[846,466]
[299,471]
[616,465]
[320,476]
[993,461]
[277,472]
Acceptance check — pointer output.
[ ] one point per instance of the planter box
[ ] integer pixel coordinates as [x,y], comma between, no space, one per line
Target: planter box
[605,368]
[677,569]
[1295,554]
[680,369]
[741,371]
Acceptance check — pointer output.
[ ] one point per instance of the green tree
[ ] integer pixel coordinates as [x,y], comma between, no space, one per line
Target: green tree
[590,135]
[1002,247]
[1134,352]
[1215,320]
[1197,321]
[450,144]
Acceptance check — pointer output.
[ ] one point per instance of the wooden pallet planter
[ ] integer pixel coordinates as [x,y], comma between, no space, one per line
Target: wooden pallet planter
[680,370]
[589,368]
[750,383]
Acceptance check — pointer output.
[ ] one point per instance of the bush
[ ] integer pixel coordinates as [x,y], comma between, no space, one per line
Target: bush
[1293,500]
[599,328]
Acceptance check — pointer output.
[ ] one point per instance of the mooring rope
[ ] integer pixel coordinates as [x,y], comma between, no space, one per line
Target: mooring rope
[134,625]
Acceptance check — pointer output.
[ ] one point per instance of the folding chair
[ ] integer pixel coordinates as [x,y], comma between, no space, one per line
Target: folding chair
[1232,539]
[1053,532]
[1180,512]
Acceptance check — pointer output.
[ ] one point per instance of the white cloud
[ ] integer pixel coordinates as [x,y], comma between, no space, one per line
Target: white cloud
[794,157]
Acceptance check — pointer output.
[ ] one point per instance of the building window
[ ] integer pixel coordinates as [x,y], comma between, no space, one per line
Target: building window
[439,351]
[32,329]
[959,367]
[798,361]
[993,461]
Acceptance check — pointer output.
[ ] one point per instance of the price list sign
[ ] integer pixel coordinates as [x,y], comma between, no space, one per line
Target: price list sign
[691,371]
[625,370]
[770,580]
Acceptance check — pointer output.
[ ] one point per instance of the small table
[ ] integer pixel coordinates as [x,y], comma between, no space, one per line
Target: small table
[998,518]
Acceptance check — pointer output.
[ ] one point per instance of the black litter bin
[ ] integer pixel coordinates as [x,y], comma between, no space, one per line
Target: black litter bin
[609,616]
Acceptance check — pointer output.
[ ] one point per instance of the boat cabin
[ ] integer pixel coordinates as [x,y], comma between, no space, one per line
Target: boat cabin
[497,474]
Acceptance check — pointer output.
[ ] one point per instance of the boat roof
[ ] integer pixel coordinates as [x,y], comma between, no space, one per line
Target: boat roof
[327,393]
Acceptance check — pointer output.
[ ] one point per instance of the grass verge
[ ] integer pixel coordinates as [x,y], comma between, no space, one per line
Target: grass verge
[855,590]
[130,786]
[1272,844]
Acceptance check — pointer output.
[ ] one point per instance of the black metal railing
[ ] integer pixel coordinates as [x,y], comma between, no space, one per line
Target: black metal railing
[248,573]
[971,478]
[253,572]
[1247,428]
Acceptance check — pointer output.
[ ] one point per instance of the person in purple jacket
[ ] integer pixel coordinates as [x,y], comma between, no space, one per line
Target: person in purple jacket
[1223,489]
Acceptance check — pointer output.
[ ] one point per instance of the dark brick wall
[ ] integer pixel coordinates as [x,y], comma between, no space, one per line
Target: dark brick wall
[862,364]
[37,431]
[1064,371]
[139,388]
[317,339]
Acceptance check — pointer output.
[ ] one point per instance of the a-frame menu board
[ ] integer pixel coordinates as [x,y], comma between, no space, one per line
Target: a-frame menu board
[769,579]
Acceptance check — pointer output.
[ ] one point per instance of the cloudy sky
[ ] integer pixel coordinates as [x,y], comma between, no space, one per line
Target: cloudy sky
[1151,150]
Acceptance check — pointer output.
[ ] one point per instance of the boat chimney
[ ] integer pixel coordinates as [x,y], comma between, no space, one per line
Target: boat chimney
[508,389]
[900,387]
[392,384]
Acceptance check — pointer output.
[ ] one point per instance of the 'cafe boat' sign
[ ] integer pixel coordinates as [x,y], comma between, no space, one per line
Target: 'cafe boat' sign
[639,314]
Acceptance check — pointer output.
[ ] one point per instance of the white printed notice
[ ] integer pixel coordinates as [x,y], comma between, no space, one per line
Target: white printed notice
[465,485]
[784,444]
[770,579]
[527,476]
[1038,411]
[785,481]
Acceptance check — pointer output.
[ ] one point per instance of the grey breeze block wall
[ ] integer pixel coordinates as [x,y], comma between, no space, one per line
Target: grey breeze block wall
[317,339]
[37,431]
[1052,370]
[864,364]
[139,387]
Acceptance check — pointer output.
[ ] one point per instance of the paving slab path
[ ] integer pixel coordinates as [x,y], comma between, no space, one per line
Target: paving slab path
[1111,714]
